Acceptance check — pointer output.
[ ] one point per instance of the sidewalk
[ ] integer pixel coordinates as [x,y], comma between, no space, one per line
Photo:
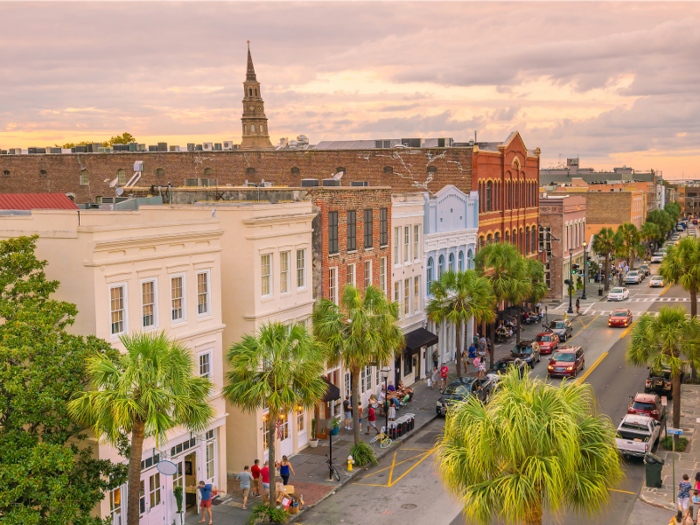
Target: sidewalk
[687,462]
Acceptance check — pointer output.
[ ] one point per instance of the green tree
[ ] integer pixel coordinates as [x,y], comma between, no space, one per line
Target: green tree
[124,138]
[629,236]
[538,287]
[361,332]
[663,220]
[650,232]
[671,341]
[674,210]
[145,392]
[280,368]
[534,448]
[606,242]
[48,472]
[458,297]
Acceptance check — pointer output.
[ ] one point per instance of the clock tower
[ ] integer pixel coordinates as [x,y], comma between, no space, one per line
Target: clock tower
[254,122]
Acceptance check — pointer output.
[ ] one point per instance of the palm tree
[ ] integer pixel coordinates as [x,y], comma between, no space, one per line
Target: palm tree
[629,235]
[538,287]
[668,341]
[682,266]
[534,448]
[361,332]
[604,243]
[281,368]
[458,297]
[650,232]
[145,392]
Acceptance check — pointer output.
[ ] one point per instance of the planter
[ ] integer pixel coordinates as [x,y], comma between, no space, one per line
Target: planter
[335,431]
[313,443]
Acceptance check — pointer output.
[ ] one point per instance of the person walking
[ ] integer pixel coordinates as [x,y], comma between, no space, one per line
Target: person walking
[359,413]
[245,478]
[206,491]
[435,358]
[285,469]
[255,471]
[434,377]
[683,493]
[392,409]
[465,360]
[347,413]
[472,353]
[371,420]
[481,347]
[265,478]
[578,306]
[443,376]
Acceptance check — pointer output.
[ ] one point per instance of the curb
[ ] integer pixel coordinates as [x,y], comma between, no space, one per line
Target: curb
[670,507]
[400,441]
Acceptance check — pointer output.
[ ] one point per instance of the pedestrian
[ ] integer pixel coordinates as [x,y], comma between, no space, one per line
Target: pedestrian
[255,471]
[538,309]
[472,353]
[392,409]
[285,468]
[434,377]
[347,413]
[435,358]
[359,413]
[206,491]
[683,493]
[245,478]
[697,481]
[481,347]
[477,362]
[578,306]
[465,360]
[443,376]
[677,519]
[371,420]
[688,518]
[265,478]
[382,400]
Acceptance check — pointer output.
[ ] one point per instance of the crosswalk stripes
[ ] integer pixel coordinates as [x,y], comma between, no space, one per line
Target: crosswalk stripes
[632,300]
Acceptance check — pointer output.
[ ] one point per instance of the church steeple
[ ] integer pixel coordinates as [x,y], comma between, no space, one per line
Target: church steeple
[253,121]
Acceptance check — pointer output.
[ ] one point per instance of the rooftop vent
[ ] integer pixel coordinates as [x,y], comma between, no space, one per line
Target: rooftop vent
[309,183]
[331,182]
[359,183]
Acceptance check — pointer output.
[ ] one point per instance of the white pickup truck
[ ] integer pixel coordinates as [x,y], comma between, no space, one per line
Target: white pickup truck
[637,435]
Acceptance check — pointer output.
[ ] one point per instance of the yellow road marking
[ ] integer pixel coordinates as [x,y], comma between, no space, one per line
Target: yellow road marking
[391,472]
[414,466]
[623,491]
[391,481]
[627,330]
[588,372]
[584,327]
[396,464]
[665,289]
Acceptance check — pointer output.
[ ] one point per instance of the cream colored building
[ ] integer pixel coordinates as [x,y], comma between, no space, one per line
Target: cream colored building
[143,270]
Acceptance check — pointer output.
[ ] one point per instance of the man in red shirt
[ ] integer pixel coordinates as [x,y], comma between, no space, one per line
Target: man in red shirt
[255,471]
[265,477]
[443,376]
[371,420]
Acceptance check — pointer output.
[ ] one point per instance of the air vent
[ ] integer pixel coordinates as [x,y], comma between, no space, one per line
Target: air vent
[309,183]
[331,182]
[359,183]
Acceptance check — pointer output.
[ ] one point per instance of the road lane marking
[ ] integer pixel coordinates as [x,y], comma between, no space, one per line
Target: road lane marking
[665,289]
[414,466]
[584,327]
[588,372]
[391,482]
[393,464]
[623,491]
[397,464]
[586,310]
[627,330]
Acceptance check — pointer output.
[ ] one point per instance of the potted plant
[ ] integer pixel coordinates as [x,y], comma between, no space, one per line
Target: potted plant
[178,499]
[336,426]
[313,442]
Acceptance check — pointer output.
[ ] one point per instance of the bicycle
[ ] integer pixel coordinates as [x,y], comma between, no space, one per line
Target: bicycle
[384,440]
[332,471]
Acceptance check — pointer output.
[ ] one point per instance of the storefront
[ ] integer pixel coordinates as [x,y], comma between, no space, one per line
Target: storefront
[408,365]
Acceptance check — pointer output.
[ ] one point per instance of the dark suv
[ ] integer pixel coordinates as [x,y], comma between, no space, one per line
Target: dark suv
[528,351]
[462,390]
[659,382]
[562,327]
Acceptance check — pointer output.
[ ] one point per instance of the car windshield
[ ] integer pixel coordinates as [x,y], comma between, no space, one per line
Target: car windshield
[557,325]
[523,349]
[619,314]
[566,357]
[646,407]
[544,338]
[503,365]
[634,426]
[661,373]
[632,273]
[456,390]
[616,290]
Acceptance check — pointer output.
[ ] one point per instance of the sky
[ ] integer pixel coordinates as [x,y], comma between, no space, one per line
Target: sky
[612,83]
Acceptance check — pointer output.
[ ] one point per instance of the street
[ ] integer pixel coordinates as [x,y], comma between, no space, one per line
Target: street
[405,486]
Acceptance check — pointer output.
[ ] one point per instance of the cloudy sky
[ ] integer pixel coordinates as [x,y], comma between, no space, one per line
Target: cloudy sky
[614,83]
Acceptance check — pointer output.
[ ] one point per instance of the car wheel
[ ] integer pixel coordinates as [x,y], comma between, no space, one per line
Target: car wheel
[583,365]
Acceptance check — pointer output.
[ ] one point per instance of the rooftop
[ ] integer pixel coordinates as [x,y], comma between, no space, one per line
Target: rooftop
[36,201]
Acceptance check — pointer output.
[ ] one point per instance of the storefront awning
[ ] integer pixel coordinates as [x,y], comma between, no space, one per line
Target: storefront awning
[418,339]
[332,391]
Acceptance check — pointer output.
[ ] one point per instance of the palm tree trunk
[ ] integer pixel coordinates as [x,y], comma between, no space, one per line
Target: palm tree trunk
[517,326]
[676,389]
[355,375]
[693,314]
[606,286]
[460,346]
[533,516]
[134,479]
[272,429]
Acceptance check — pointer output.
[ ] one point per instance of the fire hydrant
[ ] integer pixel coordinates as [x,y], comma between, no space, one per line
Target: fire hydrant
[350,463]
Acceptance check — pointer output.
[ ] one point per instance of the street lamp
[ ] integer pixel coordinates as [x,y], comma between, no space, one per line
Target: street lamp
[385,374]
[585,271]
[571,279]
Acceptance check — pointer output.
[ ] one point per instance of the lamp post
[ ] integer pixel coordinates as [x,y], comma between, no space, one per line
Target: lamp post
[571,279]
[585,271]
[385,374]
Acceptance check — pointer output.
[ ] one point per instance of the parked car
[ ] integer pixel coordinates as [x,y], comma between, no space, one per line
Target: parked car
[502,366]
[528,351]
[659,382]
[645,269]
[567,361]
[633,277]
[562,327]
[618,294]
[656,281]
[657,257]
[620,317]
[647,405]
[459,391]
[548,341]
[637,435]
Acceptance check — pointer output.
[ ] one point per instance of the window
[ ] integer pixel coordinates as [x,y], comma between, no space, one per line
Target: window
[115,506]
[42,173]
[148,304]
[351,275]
[416,293]
[363,379]
[388,169]
[332,232]
[397,294]
[252,128]
[266,274]
[117,298]
[368,373]
[154,489]
[369,241]
[407,296]
[160,172]
[333,285]
[451,262]
[203,293]
[382,274]
[205,364]
[295,171]
[301,420]
[84,178]
[348,385]
[406,243]
[121,177]
[489,189]
[383,227]
[142,497]
[441,266]
[210,460]
[301,269]
[397,246]
[430,274]
[284,272]
[352,230]
[6,173]
[368,273]
[416,241]
[177,298]
[460,261]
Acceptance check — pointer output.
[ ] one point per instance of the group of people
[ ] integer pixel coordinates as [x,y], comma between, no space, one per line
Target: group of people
[257,480]
[685,506]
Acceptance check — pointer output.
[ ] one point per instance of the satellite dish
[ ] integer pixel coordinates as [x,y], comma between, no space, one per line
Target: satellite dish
[114,183]
[167,468]
[119,192]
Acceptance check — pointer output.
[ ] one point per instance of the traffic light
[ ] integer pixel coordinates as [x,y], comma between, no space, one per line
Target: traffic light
[588,259]
[574,269]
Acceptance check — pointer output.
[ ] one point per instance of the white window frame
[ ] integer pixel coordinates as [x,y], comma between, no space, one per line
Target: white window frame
[208,312]
[183,299]
[333,285]
[416,242]
[397,296]
[301,269]
[406,243]
[284,274]
[368,274]
[268,275]
[397,245]
[210,355]
[352,272]
[407,296]
[382,274]
[155,304]
[125,309]
[416,294]
[363,376]
[116,510]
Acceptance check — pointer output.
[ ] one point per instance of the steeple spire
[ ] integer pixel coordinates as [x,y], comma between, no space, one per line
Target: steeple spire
[250,75]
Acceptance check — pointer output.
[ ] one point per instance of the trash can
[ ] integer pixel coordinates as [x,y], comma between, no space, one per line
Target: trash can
[654,466]
[600,292]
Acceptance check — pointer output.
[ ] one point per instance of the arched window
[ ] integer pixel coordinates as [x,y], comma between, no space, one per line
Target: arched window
[489,190]
[451,262]
[296,171]
[388,169]
[507,236]
[441,265]
[521,240]
[489,239]
[250,91]
[533,238]
[514,240]
[430,274]
[208,171]
[480,243]
[482,197]
[460,261]
[527,239]
[121,177]
[497,237]
[470,259]
[250,171]
[245,128]
[252,128]
[160,172]
[497,197]
[256,92]
[84,178]
[42,173]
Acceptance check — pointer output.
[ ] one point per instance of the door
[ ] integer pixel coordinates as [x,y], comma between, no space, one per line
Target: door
[286,445]
[302,435]
[152,498]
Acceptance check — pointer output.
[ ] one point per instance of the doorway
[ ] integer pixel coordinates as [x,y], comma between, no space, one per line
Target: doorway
[286,442]
[152,498]
[189,465]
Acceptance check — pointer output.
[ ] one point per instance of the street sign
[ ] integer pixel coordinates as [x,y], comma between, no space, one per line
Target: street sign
[664,401]
[674,431]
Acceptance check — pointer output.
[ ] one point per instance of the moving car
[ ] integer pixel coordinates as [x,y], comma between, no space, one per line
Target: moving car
[548,341]
[568,361]
[657,257]
[659,382]
[503,366]
[528,351]
[459,391]
[620,317]
[656,281]
[647,405]
[644,269]
[637,435]
[633,277]
[618,294]
[562,327]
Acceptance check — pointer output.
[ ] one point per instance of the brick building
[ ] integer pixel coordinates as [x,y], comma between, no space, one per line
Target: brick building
[610,209]
[689,200]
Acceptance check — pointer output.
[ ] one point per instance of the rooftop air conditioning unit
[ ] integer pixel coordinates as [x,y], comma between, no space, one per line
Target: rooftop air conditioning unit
[217,146]
[228,145]
[266,185]
[359,183]
[152,148]
[309,183]
[208,146]
[331,182]
[162,146]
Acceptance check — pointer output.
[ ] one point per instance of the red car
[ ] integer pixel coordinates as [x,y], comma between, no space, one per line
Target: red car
[647,405]
[566,362]
[548,342]
[620,317]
